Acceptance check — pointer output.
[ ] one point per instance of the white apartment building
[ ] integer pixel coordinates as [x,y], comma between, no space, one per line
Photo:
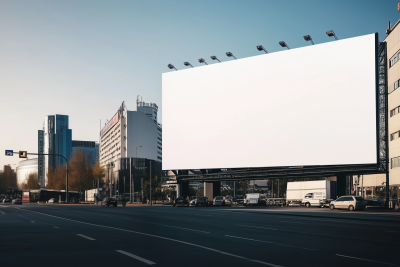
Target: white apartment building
[131,134]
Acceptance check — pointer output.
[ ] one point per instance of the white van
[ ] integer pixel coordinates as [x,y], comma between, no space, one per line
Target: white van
[254,199]
[313,199]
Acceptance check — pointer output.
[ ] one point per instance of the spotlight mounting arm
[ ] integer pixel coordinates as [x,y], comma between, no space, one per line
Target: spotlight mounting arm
[201,60]
[331,33]
[308,38]
[187,64]
[215,58]
[261,48]
[229,54]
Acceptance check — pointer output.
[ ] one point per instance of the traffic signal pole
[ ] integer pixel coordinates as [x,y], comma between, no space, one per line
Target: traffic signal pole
[66,183]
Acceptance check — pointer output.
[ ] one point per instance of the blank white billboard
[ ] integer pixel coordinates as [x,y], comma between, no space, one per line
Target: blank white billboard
[314,105]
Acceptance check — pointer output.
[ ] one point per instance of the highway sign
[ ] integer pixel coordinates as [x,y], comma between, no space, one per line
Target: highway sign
[9,153]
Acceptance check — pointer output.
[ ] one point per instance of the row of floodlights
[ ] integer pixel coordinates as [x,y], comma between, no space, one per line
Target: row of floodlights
[259,48]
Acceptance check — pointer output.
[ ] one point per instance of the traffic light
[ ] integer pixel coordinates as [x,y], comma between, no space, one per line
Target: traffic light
[23,154]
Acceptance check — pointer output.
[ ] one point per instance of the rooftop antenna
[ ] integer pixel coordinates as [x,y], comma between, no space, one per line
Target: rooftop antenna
[389,29]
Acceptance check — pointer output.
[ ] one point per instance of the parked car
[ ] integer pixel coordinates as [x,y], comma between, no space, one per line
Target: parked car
[181,201]
[17,201]
[201,201]
[254,199]
[221,201]
[52,200]
[7,200]
[238,199]
[109,201]
[192,202]
[349,202]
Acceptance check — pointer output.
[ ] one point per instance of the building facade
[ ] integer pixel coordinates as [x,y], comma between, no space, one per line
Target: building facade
[374,186]
[90,148]
[57,139]
[25,168]
[131,134]
[131,138]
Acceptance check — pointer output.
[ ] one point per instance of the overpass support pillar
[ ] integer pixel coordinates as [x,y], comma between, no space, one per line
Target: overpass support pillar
[216,189]
[185,189]
[178,190]
[341,185]
[212,189]
[182,189]
[208,190]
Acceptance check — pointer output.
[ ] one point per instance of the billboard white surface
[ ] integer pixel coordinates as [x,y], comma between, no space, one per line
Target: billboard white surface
[314,105]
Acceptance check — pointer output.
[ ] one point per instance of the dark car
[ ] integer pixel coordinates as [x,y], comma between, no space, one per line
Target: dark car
[239,199]
[17,201]
[181,201]
[7,200]
[109,201]
[201,201]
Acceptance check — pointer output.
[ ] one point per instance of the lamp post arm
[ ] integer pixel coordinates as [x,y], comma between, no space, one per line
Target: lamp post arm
[66,184]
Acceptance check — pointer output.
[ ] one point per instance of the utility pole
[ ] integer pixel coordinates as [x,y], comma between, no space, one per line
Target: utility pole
[130,175]
[66,161]
[151,204]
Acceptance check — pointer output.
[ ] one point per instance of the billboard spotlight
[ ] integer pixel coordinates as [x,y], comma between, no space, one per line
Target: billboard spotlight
[187,64]
[261,48]
[283,44]
[201,60]
[331,33]
[229,54]
[171,66]
[308,38]
[215,58]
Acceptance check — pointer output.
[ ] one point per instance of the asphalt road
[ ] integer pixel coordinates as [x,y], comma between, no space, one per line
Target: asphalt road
[89,235]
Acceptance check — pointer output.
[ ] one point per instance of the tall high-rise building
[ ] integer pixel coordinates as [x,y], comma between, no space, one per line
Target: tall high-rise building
[57,139]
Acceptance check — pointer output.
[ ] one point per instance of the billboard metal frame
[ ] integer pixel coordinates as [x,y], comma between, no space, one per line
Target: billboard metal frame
[382,166]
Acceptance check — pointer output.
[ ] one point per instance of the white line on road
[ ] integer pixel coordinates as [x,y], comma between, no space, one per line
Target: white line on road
[55,226]
[32,221]
[367,260]
[2,212]
[256,227]
[160,237]
[269,242]
[292,222]
[84,236]
[136,257]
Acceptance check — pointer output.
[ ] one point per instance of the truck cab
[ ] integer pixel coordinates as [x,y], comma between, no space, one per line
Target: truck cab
[313,199]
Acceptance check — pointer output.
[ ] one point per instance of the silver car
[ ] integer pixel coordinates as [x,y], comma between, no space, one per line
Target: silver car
[348,202]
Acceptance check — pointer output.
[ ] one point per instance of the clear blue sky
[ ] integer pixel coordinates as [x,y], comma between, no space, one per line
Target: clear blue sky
[83,58]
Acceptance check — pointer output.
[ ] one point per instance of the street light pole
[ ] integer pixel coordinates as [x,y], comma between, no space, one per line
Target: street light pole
[151,204]
[66,182]
[130,175]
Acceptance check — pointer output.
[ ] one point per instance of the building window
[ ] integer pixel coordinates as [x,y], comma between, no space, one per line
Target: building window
[395,162]
[394,111]
[394,136]
[394,59]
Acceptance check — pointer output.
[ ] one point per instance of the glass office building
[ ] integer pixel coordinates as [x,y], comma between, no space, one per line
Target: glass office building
[90,148]
[57,139]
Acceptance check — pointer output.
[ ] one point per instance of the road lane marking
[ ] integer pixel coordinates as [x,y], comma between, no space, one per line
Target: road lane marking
[84,236]
[136,257]
[366,260]
[161,237]
[292,222]
[256,227]
[55,226]
[162,225]
[269,242]
[32,221]
[2,212]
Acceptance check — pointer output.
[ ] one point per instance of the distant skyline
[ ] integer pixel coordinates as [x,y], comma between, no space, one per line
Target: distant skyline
[83,58]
